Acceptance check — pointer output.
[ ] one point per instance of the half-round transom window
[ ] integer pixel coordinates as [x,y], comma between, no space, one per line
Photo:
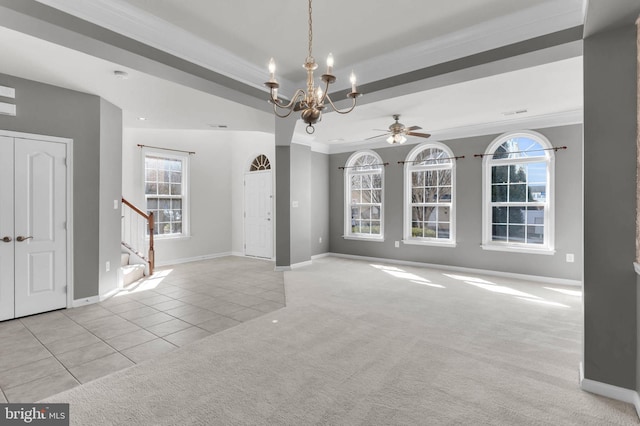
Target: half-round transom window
[261,162]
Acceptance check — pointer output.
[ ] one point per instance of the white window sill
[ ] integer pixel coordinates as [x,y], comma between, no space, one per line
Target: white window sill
[434,243]
[356,238]
[518,249]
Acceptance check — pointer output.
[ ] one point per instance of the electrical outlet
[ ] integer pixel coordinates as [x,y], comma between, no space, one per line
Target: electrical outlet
[107,266]
[397,244]
[570,258]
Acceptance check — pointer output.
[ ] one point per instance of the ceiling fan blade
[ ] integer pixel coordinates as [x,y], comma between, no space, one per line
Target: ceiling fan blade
[378,136]
[420,135]
[414,128]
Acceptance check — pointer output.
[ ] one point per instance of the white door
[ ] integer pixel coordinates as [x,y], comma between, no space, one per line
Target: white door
[6,229]
[258,221]
[36,190]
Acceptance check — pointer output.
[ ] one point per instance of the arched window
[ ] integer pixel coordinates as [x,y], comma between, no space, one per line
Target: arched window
[518,183]
[429,195]
[261,162]
[364,180]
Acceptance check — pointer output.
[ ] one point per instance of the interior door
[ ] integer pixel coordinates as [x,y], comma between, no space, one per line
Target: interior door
[258,221]
[40,226]
[6,229]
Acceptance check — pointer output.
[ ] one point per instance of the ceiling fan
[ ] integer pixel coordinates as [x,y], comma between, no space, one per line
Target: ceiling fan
[398,132]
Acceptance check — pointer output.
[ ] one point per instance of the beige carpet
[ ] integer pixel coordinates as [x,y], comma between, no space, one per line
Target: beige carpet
[363,344]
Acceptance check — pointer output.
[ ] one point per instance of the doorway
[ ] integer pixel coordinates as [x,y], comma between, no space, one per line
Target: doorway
[258,209]
[34,239]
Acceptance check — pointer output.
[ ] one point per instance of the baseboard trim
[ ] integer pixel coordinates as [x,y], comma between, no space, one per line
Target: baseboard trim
[237,253]
[282,268]
[301,264]
[550,280]
[610,391]
[85,301]
[109,294]
[320,256]
[194,259]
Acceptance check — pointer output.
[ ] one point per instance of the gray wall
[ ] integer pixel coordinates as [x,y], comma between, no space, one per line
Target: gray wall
[110,190]
[49,110]
[283,211]
[319,203]
[610,299]
[301,194]
[468,252]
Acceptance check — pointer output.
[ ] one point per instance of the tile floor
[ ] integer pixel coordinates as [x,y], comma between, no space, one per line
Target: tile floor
[48,353]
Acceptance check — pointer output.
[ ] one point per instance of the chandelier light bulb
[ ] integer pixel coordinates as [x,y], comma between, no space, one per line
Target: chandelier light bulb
[272,69]
[352,79]
[330,64]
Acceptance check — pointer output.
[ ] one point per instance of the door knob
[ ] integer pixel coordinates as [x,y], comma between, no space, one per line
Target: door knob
[7,239]
[21,238]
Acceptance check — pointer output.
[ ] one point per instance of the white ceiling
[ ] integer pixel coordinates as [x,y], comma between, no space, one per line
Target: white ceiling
[377,40]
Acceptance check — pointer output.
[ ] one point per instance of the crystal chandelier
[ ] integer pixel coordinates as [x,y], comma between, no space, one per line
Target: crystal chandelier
[311,102]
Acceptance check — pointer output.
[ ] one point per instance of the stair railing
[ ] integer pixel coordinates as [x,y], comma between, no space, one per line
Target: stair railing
[137,232]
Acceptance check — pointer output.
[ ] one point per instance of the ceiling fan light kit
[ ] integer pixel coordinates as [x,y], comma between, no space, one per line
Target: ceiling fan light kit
[312,101]
[398,132]
[397,139]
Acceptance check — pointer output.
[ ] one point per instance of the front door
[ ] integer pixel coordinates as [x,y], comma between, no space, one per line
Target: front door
[36,191]
[258,221]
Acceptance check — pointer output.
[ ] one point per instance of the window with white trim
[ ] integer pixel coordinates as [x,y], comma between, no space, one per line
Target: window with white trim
[429,200]
[518,183]
[165,191]
[364,180]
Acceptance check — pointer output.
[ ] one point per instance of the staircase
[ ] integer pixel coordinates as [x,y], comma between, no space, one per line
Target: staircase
[130,272]
[137,259]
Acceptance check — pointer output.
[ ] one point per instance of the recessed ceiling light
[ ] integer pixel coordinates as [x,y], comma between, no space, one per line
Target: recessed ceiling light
[122,75]
[142,119]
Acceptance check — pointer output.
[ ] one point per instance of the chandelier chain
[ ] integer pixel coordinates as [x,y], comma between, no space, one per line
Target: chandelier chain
[310,30]
[311,102]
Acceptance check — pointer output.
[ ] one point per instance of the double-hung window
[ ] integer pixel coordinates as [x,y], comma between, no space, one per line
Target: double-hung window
[429,200]
[166,189]
[364,180]
[518,180]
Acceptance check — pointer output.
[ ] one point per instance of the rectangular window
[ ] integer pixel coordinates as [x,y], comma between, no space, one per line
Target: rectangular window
[518,195]
[431,204]
[366,204]
[165,189]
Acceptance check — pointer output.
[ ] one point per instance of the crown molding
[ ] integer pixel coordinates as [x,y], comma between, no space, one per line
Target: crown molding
[563,118]
[129,21]
[526,24]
